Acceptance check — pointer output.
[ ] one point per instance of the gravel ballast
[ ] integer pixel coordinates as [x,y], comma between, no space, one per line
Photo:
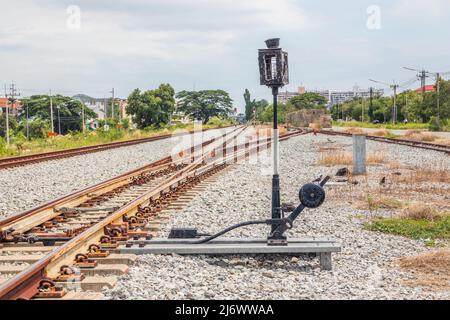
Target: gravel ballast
[25,187]
[366,268]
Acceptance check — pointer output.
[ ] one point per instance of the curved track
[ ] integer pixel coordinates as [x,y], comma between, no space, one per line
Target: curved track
[67,241]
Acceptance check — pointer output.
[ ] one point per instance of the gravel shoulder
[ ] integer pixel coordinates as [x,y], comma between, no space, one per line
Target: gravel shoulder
[367,267]
[23,188]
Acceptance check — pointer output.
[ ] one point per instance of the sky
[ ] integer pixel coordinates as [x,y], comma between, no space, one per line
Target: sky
[91,46]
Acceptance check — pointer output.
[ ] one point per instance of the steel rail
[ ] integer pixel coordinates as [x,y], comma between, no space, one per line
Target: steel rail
[25,284]
[9,222]
[21,285]
[65,153]
[410,143]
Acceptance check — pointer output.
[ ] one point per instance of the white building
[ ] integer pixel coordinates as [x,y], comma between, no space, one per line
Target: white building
[333,97]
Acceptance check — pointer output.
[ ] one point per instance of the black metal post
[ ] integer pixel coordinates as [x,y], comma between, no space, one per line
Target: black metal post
[276,206]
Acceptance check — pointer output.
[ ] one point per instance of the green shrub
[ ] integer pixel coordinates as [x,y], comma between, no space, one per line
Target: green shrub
[413,228]
[218,122]
[435,124]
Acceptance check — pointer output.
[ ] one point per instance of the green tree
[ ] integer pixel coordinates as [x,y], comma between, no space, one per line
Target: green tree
[152,107]
[205,104]
[248,105]
[12,124]
[282,110]
[70,112]
[308,100]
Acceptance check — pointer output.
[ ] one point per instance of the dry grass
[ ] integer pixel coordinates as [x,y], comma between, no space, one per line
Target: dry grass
[354,130]
[419,211]
[266,130]
[315,126]
[430,269]
[435,173]
[418,135]
[443,141]
[384,203]
[381,133]
[372,203]
[345,158]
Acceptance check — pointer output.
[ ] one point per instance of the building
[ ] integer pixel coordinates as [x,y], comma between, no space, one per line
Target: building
[14,109]
[333,97]
[98,107]
[284,97]
[427,88]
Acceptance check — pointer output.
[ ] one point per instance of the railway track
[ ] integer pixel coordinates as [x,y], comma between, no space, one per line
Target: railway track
[53,155]
[410,143]
[68,248]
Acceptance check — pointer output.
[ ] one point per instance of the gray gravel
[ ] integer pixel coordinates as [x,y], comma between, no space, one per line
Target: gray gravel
[365,269]
[22,188]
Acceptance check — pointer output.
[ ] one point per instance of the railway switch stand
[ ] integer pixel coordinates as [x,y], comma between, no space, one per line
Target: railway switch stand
[273,67]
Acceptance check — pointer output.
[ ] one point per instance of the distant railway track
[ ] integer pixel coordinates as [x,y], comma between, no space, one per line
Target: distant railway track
[410,143]
[53,155]
[74,240]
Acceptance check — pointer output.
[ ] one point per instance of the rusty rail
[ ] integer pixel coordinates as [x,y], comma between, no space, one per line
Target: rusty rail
[24,285]
[410,143]
[52,155]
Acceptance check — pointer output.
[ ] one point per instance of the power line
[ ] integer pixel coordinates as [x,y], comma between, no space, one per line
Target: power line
[394,87]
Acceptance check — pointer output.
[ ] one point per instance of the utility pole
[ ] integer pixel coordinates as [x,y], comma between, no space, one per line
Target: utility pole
[28,127]
[12,98]
[51,111]
[7,117]
[370,112]
[423,75]
[112,103]
[59,120]
[105,108]
[362,109]
[394,116]
[82,114]
[394,87]
[437,94]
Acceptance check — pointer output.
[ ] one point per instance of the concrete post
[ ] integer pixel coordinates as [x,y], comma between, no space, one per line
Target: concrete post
[359,154]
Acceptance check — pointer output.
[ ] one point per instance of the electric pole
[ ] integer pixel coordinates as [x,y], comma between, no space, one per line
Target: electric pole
[424,74]
[7,118]
[112,103]
[12,99]
[370,111]
[83,117]
[437,94]
[59,119]
[394,116]
[28,126]
[393,86]
[51,111]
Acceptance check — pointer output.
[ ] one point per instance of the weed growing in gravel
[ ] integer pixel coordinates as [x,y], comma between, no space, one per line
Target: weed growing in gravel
[344,158]
[420,212]
[430,269]
[384,133]
[383,203]
[413,228]
[434,172]
[418,135]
